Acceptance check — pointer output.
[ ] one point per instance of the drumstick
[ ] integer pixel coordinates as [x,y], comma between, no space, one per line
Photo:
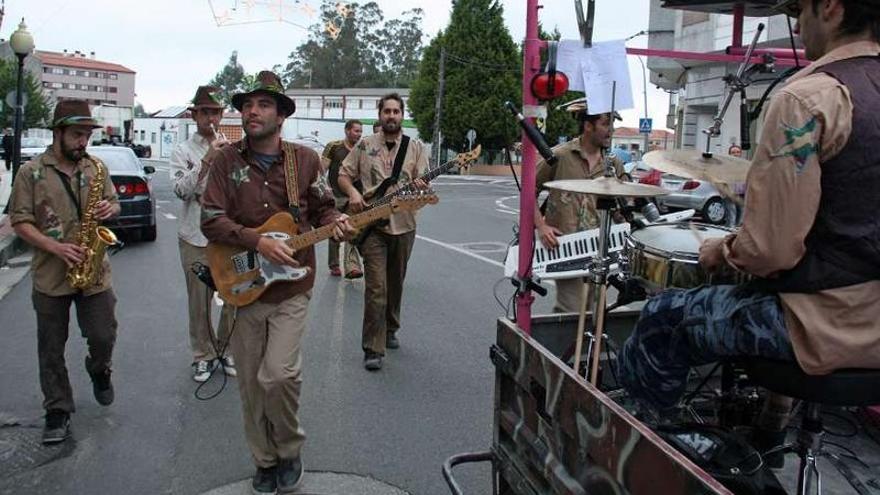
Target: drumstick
[579,342]
[600,327]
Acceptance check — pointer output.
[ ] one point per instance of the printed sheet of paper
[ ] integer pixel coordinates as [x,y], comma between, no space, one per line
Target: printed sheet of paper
[594,70]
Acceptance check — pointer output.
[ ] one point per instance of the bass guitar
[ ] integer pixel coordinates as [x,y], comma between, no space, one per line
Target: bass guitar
[375,197]
[241,276]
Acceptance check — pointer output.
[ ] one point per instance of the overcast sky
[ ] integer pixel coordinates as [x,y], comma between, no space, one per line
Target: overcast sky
[175,45]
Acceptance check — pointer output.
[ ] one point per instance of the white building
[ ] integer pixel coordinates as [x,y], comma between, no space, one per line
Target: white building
[699,84]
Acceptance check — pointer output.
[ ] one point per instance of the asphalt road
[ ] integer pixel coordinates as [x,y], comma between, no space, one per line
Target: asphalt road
[432,399]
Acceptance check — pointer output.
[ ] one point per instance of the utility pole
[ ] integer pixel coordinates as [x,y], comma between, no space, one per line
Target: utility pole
[438,109]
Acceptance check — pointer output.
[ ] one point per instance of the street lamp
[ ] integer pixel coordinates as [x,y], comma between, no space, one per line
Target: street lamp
[22,43]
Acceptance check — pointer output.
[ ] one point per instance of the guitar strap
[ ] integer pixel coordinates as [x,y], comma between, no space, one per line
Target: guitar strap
[290,176]
[398,160]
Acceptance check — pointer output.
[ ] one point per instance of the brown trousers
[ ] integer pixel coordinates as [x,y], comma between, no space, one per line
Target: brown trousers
[96,317]
[568,296]
[266,342]
[385,259]
[199,298]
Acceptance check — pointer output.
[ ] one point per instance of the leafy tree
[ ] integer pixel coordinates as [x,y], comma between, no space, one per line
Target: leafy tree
[483,67]
[37,111]
[354,47]
[139,111]
[230,80]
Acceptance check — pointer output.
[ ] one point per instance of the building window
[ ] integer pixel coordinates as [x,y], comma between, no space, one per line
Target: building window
[691,18]
[99,75]
[84,87]
[58,70]
[113,76]
[57,85]
[47,70]
[333,104]
[46,84]
[143,135]
[87,74]
[99,89]
[112,89]
[153,137]
[113,102]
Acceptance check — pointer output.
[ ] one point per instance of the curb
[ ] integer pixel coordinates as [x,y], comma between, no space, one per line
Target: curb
[10,245]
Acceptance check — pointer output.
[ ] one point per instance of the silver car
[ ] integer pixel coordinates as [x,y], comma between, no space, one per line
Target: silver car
[699,195]
[33,146]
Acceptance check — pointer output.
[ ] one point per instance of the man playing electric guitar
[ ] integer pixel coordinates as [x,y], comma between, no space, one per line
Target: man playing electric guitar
[248,183]
[385,249]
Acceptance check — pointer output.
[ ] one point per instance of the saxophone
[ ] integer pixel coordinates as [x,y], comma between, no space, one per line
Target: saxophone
[92,237]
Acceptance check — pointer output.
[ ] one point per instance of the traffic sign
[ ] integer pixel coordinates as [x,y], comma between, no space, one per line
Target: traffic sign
[10,99]
[471,137]
[645,125]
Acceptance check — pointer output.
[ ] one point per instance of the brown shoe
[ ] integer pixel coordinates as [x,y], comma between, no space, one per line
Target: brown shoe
[354,274]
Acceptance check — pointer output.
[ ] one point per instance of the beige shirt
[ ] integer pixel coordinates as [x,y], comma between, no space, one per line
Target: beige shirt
[372,162]
[39,198]
[808,122]
[570,212]
[186,162]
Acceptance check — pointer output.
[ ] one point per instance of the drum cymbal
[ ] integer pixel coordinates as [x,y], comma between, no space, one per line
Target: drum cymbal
[606,186]
[693,164]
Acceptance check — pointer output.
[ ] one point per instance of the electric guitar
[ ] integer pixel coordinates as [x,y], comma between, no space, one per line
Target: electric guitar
[241,276]
[375,197]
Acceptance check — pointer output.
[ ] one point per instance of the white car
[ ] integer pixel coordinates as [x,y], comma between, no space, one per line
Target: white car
[33,146]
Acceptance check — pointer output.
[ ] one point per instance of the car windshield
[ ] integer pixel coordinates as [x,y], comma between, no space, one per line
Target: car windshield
[119,160]
[34,142]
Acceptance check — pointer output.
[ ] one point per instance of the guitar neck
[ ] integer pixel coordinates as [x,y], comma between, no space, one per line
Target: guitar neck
[408,187]
[315,236]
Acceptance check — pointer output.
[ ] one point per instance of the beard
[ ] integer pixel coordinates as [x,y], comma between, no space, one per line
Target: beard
[390,127]
[73,154]
[267,129]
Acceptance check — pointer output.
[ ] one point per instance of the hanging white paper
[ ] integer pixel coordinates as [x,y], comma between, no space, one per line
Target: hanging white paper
[594,70]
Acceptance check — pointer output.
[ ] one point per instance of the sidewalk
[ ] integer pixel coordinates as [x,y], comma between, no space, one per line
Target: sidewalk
[10,246]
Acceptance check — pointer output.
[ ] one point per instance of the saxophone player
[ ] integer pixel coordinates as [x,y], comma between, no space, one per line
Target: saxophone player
[51,196]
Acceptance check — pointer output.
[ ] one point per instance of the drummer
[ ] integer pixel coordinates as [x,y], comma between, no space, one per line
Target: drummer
[565,212]
[810,236]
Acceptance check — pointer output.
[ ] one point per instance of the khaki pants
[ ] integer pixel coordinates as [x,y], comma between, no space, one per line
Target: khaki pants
[266,345]
[97,322]
[385,259]
[199,298]
[568,295]
[352,261]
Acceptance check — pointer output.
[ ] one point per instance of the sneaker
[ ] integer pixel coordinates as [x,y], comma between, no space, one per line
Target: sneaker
[372,361]
[290,474]
[391,341]
[229,366]
[265,480]
[57,427]
[354,274]
[335,272]
[201,371]
[102,387]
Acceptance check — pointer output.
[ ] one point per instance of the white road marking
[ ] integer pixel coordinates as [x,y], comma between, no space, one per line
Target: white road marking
[163,201]
[503,208]
[457,249]
[169,216]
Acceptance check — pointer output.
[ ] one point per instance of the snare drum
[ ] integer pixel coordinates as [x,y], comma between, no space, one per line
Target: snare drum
[667,255]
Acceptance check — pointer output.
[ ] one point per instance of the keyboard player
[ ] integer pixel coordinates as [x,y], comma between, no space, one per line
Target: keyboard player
[564,212]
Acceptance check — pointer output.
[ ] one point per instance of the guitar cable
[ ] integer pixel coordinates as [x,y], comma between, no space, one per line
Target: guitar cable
[203,272]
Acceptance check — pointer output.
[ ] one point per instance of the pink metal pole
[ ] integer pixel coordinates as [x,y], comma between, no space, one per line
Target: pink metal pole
[739,13]
[527,200]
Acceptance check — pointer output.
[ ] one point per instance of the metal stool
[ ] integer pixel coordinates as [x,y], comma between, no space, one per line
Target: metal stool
[845,388]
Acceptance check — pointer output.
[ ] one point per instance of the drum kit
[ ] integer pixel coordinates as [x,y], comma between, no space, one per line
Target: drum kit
[658,256]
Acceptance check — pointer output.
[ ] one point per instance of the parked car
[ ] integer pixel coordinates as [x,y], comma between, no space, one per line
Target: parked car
[685,194]
[133,184]
[33,146]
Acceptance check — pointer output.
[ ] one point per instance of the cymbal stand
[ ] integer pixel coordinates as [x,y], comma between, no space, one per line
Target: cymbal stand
[736,83]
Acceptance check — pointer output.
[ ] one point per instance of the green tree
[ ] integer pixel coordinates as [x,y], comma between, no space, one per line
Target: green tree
[483,67]
[36,112]
[231,79]
[139,111]
[355,47]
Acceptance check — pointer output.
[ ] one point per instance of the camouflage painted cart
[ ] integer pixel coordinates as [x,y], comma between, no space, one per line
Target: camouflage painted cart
[557,434]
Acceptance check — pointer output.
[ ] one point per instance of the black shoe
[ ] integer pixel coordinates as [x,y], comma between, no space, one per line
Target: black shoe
[101,386]
[265,480]
[290,473]
[391,341]
[372,361]
[57,427]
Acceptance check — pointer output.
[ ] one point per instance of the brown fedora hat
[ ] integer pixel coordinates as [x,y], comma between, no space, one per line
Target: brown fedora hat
[206,97]
[269,83]
[73,112]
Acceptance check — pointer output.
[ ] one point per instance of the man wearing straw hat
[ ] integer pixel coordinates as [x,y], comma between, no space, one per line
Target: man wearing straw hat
[47,200]
[186,163]
[566,213]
